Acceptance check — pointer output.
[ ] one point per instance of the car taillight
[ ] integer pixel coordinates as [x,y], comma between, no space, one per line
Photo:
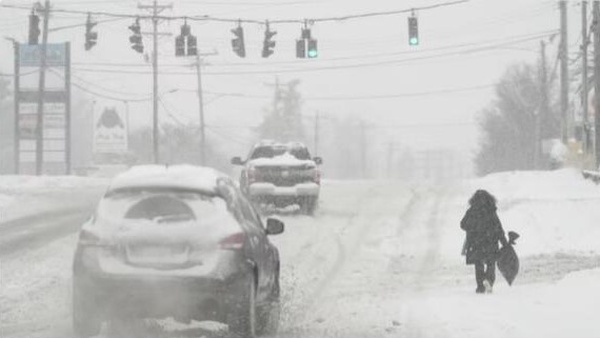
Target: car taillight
[233,242]
[87,238]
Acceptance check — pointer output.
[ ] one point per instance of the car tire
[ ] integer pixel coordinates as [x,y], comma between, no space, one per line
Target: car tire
[243,322]
[308,205]
[269,314]
[86,321]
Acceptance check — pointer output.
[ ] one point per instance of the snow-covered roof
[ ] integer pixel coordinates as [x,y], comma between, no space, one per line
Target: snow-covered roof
[163,176]
[282,160]
[274,143]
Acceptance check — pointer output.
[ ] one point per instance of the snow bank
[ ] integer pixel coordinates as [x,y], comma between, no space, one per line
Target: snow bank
[26,195]
[31,184]
[567,308]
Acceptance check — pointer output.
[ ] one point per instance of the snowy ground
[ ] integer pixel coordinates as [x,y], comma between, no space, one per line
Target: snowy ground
[380,259]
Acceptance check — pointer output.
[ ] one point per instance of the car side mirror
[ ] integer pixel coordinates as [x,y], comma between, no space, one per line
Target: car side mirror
[274,226]
[318,160]
[237,161]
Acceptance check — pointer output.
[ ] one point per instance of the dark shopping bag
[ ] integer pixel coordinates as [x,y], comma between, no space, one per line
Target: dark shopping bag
[508,261]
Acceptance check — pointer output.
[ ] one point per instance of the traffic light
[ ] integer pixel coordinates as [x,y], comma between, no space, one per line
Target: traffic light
[301,48]
[306,47]
[268,44]
[192,45]
[312,52]
[180,46]
[90,37]
[34,28]
[186,39]
[237,43]
[136,37]
[413,31]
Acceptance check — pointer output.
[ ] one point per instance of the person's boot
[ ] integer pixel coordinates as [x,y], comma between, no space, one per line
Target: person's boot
[480,289]
[487,286]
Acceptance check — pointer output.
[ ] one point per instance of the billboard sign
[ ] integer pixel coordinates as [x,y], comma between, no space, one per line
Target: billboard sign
[55,117]
[110,131]
[30,55]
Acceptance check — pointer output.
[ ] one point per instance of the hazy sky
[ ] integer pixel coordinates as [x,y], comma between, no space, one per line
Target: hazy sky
[462,46]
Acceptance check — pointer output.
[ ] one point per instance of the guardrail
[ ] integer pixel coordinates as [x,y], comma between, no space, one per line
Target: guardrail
[591,175]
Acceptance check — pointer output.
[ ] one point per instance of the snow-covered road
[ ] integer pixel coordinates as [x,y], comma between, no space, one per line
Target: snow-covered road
[380,259]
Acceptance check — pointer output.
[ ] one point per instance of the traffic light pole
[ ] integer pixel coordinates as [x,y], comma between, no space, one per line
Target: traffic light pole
[39,150]
[156,9]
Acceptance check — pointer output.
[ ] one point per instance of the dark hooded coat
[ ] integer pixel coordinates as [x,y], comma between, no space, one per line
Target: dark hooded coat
[483,228]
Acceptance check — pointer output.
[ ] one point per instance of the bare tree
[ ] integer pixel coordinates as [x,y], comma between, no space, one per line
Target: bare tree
[508,123]
[283,121]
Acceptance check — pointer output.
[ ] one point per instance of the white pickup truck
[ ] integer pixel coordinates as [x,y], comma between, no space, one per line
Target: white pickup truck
[281,174]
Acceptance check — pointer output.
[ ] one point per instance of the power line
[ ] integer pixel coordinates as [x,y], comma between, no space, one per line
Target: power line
[279,21]
[358,98]
[322,68]
[516,39]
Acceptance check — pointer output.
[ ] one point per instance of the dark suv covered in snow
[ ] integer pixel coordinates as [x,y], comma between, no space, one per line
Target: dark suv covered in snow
[179,242]
[281,174]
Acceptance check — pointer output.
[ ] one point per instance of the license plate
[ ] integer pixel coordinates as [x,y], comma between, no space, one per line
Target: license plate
[157,254]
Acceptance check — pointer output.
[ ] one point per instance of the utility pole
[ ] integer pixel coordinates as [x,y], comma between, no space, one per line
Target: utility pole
[584,77]
[155,132]
[390,157]
[317,117]
[564,74]
[156,10]
[543,111]
[201,107]
[39,144]
[363,150]
[597,81]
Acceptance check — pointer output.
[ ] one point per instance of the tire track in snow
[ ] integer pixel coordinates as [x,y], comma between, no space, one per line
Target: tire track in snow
[427,269]
[349,240]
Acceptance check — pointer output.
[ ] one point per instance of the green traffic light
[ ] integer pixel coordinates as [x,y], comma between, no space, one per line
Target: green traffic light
[414,41]
[312,53]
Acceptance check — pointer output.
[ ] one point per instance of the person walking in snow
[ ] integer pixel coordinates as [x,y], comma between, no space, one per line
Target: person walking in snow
[483,232]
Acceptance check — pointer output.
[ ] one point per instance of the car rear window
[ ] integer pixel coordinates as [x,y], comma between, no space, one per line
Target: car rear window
[160,206]
[274,151]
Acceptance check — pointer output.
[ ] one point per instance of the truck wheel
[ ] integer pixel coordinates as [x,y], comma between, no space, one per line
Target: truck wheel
[86,321]
[243,322]
[308,205]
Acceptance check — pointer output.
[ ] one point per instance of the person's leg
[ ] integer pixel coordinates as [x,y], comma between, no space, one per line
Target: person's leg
[479,276]
[490,273]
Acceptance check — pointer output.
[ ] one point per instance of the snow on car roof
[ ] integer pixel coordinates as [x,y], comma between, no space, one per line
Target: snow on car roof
[164,176]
